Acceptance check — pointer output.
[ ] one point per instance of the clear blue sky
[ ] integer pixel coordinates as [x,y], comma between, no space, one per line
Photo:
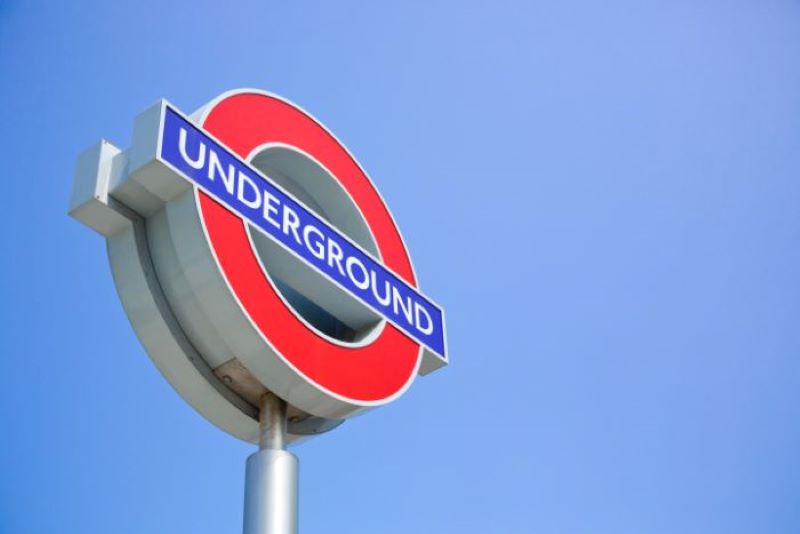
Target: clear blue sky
[604,196]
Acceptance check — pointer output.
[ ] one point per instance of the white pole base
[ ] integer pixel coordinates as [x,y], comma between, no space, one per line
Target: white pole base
[270,495]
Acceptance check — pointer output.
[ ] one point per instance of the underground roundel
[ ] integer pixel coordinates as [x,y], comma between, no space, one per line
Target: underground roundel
[252,253]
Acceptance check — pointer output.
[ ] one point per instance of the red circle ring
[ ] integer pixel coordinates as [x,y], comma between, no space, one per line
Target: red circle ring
[370,374]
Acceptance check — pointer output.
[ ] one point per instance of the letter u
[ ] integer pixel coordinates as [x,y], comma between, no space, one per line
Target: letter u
[383,301]
[201,154]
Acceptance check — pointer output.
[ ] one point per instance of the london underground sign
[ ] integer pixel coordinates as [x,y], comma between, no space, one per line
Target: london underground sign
[253,255]
[263,274]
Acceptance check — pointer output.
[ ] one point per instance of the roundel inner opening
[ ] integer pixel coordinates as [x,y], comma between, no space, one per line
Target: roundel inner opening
[316,300]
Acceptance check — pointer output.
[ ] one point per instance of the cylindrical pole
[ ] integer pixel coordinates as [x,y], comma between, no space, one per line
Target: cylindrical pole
[270,492]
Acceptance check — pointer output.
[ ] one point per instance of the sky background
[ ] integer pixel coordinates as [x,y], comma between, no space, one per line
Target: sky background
[603,195]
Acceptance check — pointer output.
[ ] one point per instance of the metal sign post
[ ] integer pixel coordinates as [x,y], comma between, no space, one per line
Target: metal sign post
[270,491]
[264,275]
